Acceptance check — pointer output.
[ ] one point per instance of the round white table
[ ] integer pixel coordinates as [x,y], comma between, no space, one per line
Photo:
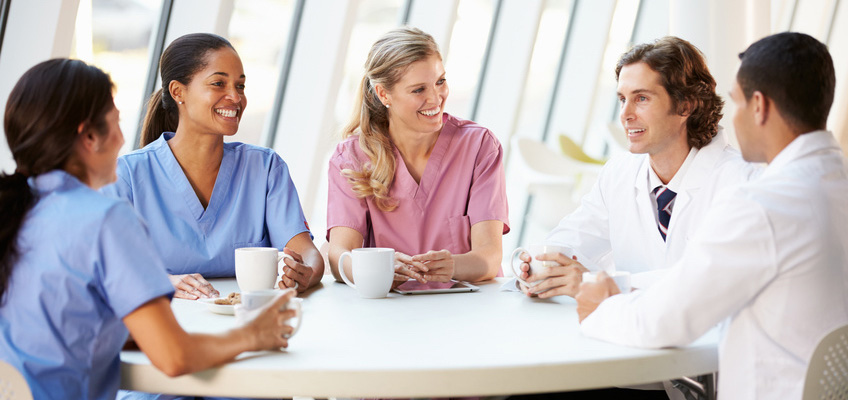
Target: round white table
[489,342]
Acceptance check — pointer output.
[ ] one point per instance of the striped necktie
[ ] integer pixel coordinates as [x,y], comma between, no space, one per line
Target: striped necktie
[665,198]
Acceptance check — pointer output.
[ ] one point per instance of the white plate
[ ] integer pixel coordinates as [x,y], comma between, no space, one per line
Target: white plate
[226,309]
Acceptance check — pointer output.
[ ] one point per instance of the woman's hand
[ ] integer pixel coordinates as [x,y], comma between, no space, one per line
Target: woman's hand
[406,268]
[440,265]
[269,329]
[192,287]
[296,274]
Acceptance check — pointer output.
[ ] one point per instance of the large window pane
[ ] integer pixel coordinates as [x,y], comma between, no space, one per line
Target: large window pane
[115,36]
[464,58]
[259,30]
[373,19]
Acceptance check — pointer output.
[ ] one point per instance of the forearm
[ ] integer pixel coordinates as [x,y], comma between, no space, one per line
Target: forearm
[477,265]
[314,260]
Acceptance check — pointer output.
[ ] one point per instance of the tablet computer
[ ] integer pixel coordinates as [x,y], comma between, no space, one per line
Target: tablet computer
[415,287]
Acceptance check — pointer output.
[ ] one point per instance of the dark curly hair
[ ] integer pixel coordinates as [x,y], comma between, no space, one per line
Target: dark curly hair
[686,78]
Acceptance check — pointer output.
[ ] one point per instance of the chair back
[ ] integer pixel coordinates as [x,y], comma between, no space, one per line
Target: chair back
[827,374]
[13,386]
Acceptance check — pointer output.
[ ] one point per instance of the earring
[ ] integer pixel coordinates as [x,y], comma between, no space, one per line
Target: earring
[387,106]
[180,102]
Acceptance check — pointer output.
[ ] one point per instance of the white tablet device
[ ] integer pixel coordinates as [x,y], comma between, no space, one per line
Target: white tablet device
[415,287]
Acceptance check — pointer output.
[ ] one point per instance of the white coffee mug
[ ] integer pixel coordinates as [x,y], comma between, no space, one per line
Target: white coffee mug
[373,270]
[621,278]
[536,266]
[253,300]
[257,268]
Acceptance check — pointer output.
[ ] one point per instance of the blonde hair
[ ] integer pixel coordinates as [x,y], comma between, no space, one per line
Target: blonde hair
[388,60]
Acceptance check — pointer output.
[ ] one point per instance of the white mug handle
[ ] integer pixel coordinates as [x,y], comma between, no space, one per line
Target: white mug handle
[280,265]
[298,315]
[515,269]
[342,270]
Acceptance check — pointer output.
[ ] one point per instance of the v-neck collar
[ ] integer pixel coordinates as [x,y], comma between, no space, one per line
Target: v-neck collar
[420,191]
[204,217]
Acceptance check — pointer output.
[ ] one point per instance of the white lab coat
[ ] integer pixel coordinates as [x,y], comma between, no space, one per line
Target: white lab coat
[771,260]
[616,227]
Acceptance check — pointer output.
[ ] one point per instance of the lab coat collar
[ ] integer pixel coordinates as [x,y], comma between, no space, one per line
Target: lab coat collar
[697,173]
[802,146]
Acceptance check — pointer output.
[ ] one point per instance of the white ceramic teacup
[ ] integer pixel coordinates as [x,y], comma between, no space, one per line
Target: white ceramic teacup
[254,300]
[257,268]
[373,270]
[621,278]
[536,266]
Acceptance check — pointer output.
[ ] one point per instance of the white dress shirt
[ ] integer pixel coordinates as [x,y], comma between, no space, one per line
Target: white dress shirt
[615,227]
[770,259]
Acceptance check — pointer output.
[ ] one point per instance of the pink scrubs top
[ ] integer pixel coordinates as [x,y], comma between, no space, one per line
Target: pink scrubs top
[462,184]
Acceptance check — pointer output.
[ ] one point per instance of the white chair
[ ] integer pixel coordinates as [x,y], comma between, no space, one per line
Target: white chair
[13,386]
[827,374]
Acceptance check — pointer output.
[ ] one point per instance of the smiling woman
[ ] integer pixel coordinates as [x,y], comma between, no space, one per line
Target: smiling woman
[410,177]
[202,197]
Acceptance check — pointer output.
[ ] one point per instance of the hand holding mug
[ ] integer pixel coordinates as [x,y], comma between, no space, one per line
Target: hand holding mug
[295,273]
[593,292]
[548,270]
[270,329]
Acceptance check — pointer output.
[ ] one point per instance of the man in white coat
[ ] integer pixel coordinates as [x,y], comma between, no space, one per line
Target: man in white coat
[679,160]
[770,258]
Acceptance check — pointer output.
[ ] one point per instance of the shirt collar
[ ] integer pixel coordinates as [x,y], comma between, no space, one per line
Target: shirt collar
[676,181]
[799,147]
[53,180]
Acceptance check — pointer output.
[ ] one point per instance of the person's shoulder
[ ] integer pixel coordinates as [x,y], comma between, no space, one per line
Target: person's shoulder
[625,161]
[145,154]
[466,130]
[348,151]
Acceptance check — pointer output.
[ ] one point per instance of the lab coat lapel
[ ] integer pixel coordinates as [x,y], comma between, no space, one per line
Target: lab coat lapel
[645,209]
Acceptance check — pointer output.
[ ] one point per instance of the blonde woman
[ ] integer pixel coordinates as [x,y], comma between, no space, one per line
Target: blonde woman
[411,177]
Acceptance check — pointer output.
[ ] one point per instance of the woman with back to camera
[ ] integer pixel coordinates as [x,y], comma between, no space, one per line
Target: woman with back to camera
[78,269]
[203,198]
[410,177]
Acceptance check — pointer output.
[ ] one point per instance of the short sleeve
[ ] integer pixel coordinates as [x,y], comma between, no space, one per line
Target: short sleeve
[284,216]
[487,197]
[121,188]
[343,207]
[128,266]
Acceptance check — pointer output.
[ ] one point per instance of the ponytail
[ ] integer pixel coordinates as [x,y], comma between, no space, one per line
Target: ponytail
[16,198]
[161,116]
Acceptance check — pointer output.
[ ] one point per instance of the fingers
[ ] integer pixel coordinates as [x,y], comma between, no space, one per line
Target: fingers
[409,261]
[297,257]
[407,272]
[432,255]
[523,256]
[296,275]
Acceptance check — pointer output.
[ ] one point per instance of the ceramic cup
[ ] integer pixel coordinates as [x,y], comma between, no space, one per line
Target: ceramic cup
[536,266]
[373,270]
[621,278]
[257,268]
[253,300]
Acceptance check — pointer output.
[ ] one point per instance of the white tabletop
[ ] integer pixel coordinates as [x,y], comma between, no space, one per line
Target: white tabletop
[459,344]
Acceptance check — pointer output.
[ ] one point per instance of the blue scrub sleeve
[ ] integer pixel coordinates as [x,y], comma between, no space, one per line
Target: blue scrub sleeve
[121,188]
[283,213]
[129,269]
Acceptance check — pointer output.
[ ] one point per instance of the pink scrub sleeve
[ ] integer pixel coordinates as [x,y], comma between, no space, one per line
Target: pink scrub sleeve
[343,207]
[487,197]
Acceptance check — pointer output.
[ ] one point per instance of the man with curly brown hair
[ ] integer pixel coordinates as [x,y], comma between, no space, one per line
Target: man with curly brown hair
[645,205]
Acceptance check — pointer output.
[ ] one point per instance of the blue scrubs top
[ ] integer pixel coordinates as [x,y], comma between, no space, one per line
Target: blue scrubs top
[254,204]
[86,261]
